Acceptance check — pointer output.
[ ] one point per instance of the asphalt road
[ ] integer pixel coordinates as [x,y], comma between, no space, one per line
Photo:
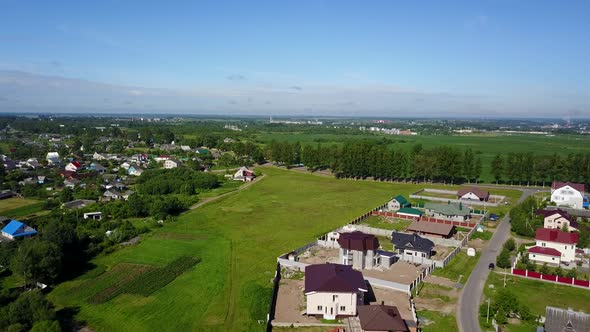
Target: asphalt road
[471,297]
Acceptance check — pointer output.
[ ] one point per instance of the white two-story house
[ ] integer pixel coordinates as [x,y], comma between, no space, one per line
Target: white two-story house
[333,290]
[553,246]
[558,219]
[567,194]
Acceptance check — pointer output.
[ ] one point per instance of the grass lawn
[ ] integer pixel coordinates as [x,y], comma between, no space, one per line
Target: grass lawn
[437,322]
[485,235]
[385,243]
[384,223]
[460,266]
[237,238]
[15,203]
[538,294]
[432,291]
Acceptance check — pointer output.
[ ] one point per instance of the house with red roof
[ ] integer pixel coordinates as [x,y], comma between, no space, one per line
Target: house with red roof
[74,166]
[568,194]
[333,290]
[558,219]
[553,246]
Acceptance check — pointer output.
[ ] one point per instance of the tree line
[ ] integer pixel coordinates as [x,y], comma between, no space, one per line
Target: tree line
[528,168]
[362,159]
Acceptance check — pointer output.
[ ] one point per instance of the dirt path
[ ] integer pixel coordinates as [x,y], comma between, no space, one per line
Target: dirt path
[214,198]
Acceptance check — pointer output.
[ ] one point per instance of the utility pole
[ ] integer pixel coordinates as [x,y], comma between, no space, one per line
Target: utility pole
[488,316]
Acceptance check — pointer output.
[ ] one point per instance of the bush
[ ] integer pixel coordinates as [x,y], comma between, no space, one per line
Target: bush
[510,244]
[503,260]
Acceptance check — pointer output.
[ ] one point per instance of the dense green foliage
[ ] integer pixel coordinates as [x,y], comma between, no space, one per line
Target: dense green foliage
[527,167]
[175,181]
[362,159]
[25,311]
[523,218]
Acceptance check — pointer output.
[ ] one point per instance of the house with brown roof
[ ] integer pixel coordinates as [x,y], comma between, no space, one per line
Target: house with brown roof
[359,250]
[553,246]
[333,290]
[381,318]
[568,194]
[473,194]
[557,219]
[432,229]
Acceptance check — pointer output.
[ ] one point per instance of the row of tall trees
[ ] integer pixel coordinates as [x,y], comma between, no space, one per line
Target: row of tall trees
[362,159]
[528,168]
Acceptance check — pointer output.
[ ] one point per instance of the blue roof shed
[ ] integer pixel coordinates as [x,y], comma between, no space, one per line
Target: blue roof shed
[16,228]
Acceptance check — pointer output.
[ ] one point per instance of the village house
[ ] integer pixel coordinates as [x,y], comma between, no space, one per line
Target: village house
[98,156]
[431,229]
[409,245]
[93,215]
[171,163]
[447,211]
[568,194]
[140,158]
[115,185]
[566,320]
[333,290]
[398,202]
[134,170]
[8,163]
[473,194]
[111,195]
[381,318]
[162,158]
[78,203]
[32,163]
[74,166]
[16,229]
[7,193]
[52,158]
[558,219]
[185,148]
[244,174]
[359,250]
[98,168]
[71,182]
[553,246]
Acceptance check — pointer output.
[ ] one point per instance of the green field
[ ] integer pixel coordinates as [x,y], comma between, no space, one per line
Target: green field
[484,145]
[537,295]
[459,268]
[384,223]
[14,203]
[237,238]
[437,322]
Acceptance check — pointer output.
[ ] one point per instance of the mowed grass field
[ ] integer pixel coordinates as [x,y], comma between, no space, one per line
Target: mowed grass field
[15,203]
[485,145]
[237,239]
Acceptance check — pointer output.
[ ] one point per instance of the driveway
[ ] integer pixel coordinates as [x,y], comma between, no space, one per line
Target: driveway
[468,306]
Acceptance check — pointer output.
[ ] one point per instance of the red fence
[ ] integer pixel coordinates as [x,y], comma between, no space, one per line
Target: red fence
[423,218]
[551,277]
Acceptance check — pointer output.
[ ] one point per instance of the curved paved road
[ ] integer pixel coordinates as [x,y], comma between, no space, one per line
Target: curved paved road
[468,306]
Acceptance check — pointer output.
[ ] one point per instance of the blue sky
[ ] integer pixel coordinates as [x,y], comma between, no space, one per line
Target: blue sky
[389,58]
